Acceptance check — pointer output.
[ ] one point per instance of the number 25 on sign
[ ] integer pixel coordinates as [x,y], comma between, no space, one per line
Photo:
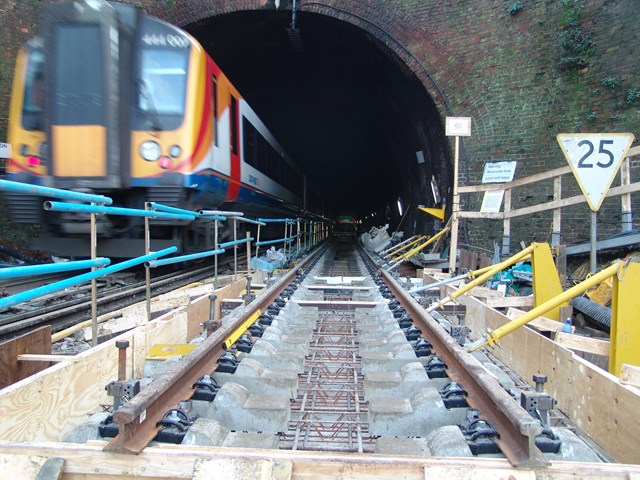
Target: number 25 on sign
[595,159]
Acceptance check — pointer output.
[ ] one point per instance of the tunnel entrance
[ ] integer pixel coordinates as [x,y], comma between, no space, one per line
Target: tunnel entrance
[344,105]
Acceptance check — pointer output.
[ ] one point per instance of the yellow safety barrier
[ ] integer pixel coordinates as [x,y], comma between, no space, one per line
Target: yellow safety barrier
[490,272]
[625,329]
[546,283]
[404,247]
[406,256]
[241,329]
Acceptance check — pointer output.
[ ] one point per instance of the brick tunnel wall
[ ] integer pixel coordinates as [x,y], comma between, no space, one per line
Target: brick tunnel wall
[524,70]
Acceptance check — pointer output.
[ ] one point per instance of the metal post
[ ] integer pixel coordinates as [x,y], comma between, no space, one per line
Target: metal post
[284,244]
[147,270]
[594,233]
[235,250]
[94,283]
[257,245]
[215,261]
[122,346]
[248,253]
[453,244]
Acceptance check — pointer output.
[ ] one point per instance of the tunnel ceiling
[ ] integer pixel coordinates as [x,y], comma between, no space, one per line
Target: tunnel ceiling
[345,110]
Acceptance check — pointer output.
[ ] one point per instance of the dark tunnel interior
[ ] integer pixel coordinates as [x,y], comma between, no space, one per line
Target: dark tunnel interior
[343,105]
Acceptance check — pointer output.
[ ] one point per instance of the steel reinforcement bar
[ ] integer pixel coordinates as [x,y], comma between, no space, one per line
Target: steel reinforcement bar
[137,418]
[517,429]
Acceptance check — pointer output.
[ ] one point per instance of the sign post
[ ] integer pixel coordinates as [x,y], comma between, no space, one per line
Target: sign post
[456,127]
[595,159]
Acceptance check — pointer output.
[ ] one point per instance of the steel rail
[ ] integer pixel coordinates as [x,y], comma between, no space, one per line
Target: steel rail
[517,429]
[137,418]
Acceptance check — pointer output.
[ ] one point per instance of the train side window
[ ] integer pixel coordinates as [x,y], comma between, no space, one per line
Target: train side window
[234,124]
[215,111]
[250,143]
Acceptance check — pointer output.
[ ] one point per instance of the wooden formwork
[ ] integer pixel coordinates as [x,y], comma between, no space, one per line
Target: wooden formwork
[37,411]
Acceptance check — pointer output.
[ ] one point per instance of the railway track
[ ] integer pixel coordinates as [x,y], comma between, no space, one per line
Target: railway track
[339,358]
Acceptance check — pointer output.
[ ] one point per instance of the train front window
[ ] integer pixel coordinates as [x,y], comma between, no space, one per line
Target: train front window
[33,101]
[163,75]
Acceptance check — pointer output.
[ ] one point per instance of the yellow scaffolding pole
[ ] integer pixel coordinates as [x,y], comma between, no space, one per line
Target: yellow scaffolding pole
[490,272]
[404,247]
[398,260]
[491,338]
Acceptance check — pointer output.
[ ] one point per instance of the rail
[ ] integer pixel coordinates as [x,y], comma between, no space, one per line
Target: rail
[137,418]
[517,429]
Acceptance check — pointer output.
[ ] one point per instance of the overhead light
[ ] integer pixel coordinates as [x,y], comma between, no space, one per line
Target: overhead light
[420,157]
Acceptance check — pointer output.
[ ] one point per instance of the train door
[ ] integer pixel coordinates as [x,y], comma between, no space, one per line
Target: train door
[86,67]
[234,182]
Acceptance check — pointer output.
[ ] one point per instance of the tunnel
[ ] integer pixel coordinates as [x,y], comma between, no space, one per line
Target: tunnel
[346,107]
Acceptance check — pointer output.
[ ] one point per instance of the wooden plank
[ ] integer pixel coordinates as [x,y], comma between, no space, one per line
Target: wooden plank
[11,370]
[51,402]
[206,469]
[503,302]
[583,344]
[179,461]
[484,292]
[541,324]
[516,183]
[36,357]
[630,375]
[594,399]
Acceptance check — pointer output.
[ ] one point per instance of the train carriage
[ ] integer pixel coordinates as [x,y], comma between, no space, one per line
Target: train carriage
[134,108]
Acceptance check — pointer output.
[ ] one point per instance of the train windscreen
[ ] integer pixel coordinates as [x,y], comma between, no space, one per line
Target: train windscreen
[78,76]
[163,75]
[33,100]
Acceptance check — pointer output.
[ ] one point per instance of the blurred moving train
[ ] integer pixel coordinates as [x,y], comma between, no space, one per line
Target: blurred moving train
[112,101]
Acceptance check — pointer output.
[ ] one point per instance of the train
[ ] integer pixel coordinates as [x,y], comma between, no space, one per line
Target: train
[109,100]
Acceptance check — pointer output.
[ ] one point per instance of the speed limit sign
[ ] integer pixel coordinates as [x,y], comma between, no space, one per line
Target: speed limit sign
[595,159]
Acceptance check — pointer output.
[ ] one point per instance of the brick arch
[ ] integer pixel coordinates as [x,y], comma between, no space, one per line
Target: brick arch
[388,27]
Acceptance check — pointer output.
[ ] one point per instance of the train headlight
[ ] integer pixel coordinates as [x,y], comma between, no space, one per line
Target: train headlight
[150,151]
[175,151]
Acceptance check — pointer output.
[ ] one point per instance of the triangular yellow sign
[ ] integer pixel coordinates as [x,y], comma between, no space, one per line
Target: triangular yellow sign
[595,158]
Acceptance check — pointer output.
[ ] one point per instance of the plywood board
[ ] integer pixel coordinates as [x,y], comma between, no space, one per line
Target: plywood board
[232,290]
[594,399]
[12,370]
[197,313]
[57,399]
[630,375]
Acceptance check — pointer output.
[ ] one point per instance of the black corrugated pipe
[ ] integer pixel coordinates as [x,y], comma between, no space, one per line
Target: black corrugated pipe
[599,313]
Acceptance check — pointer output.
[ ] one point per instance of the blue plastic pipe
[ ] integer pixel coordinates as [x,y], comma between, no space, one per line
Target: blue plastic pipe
[133,212]
[29,270]
[182,258]
[275,220]
[158,207]
[235,242]
[280,240]
[19,187]
[85,277]
[248,220]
